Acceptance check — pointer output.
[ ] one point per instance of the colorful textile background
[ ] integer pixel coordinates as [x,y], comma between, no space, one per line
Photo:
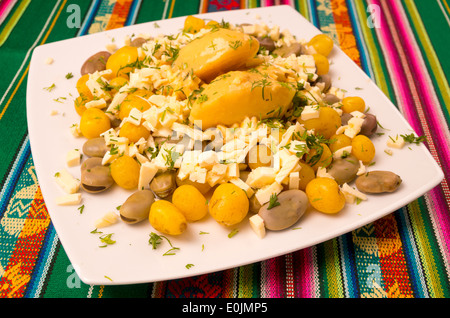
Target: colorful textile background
[402,45]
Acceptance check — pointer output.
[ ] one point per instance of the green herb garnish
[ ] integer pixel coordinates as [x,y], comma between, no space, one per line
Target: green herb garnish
[273,202]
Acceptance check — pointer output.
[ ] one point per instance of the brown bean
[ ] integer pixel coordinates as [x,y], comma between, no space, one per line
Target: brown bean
[369,125]
[292,206]
[267,43]
[286,51]
[344,170]
[95,177]
[138,42]
[378,181]
[331,99]
[96,62]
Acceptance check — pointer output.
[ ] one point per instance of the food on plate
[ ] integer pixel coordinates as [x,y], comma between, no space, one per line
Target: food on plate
[125,171]
[95,147]
[191,202]
[325,195]
[216,53]
[233,122]
[94,122]
[95,177]
[232,97]
[136,207]
[284,210]
[165,217]
[344,169]
[164,183]
[229,204]
[95,63]
[378,182]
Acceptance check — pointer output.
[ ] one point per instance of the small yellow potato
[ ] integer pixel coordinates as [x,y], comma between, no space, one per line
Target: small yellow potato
[322,64]
[191,202]
[204,188]
[82,88]
[363,148]
[123,61]
[306,174]
[326,124]
[93,122]
[322,44]
[117,83]
[353,103]
[80,104]
[325,195]
[229,204]
[166,218]
[133,132]
[212,24]
[137,100]
[216,53]
[193,24]
[325,158]
[239,94]
[125,172]
[339,141]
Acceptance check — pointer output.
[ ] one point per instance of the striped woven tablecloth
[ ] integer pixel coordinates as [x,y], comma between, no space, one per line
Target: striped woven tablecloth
[402,45]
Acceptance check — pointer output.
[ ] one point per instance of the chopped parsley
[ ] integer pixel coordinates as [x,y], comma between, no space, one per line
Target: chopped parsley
[233,233]
[273,202]
[106,239]
[412,139]
[50,88]
[235,44]
[156,239]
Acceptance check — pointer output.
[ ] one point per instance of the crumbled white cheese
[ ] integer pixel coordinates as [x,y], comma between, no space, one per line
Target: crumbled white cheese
[69,199]
[263,195]
[342,152]
[67,182]
[261,177]
[73,157]
[322,173]
[310,112]
[396,142]
[244,186]
[351,194]
[294,179]
[147,172]
[108,219]
[257,225]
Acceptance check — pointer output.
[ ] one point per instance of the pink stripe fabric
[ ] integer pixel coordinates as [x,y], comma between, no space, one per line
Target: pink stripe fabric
[5,7]
[304,264]
[418,103]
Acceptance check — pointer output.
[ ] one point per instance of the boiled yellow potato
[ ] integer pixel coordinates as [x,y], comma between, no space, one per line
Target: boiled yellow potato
[166,218]
[326,124]
[325,195]
[239,94]
[93,122]
[229,204]
[217,52]
[191,202]
[123,61]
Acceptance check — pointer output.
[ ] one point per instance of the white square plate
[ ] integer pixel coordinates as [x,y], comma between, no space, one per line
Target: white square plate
[131,259]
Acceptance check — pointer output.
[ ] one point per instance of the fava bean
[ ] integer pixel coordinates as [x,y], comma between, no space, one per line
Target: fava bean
[137,206]
[292,206]
[96,62]
[95,177]
[378,181]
